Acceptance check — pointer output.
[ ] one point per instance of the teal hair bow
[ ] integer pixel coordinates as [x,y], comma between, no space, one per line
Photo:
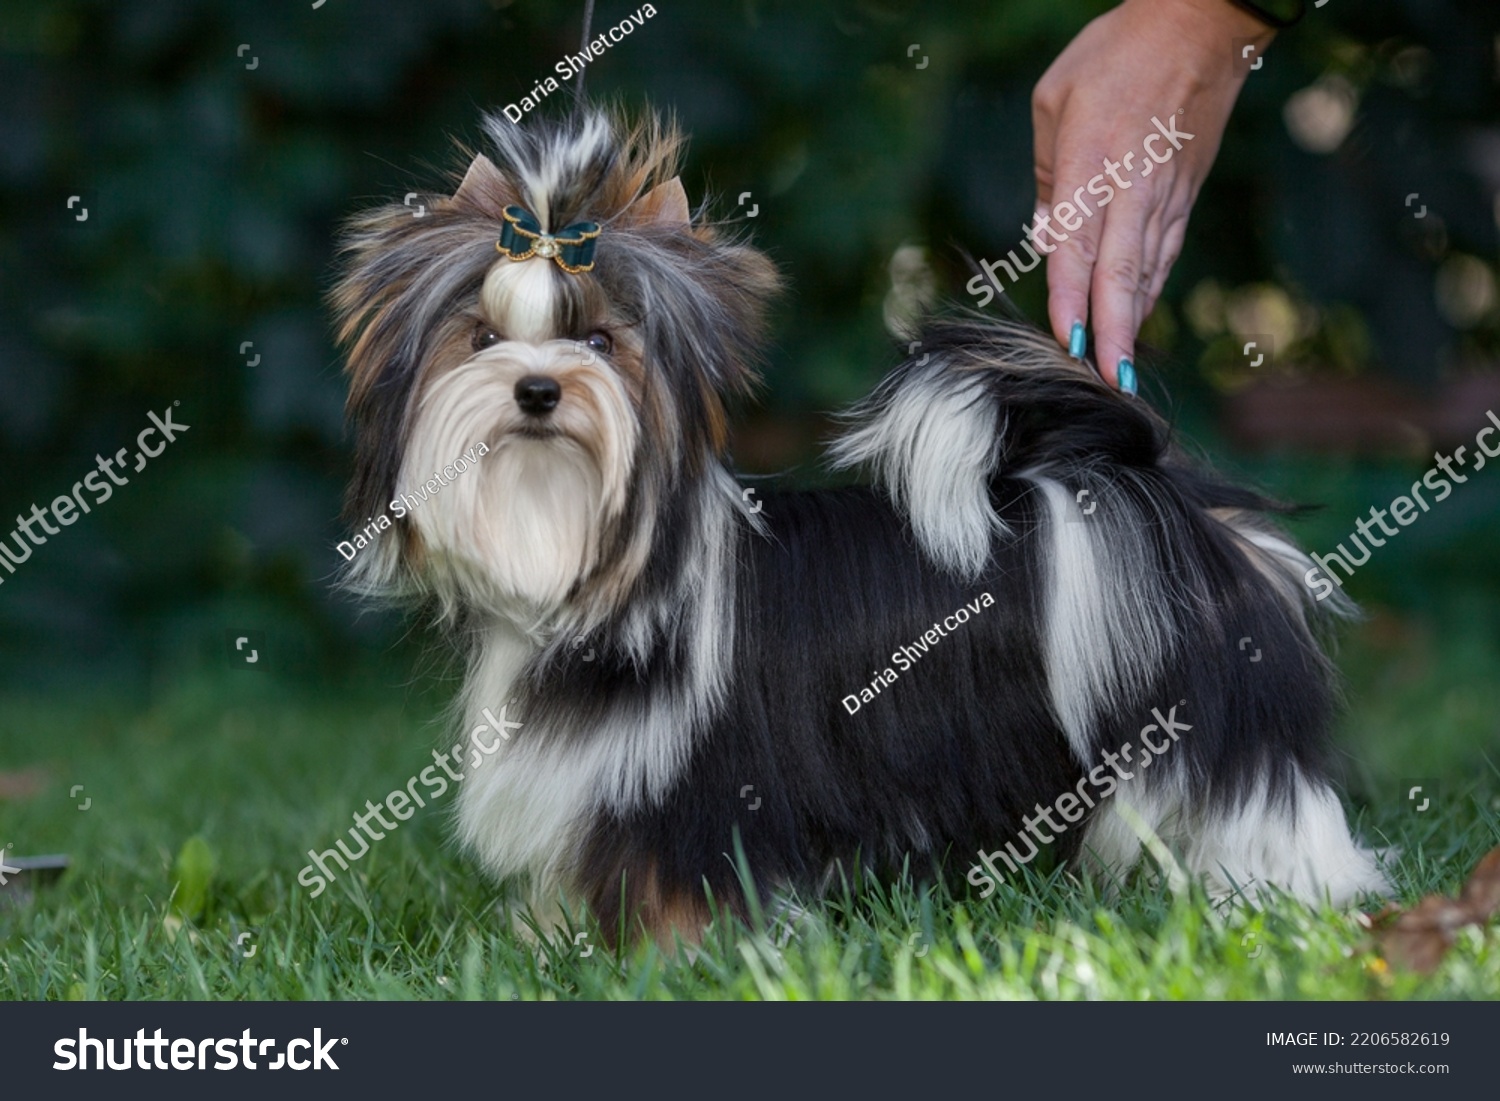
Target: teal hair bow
[572,247]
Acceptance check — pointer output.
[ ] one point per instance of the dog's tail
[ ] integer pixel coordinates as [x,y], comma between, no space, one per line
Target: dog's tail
[978,398]
[981,399]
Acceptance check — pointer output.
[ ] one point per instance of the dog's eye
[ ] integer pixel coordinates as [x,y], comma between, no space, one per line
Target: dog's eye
[484,337]
[600,342]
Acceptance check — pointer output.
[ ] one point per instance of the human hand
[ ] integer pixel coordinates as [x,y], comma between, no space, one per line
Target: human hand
[1122,88]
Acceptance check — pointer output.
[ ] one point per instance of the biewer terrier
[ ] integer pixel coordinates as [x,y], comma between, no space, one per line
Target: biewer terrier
[915,670]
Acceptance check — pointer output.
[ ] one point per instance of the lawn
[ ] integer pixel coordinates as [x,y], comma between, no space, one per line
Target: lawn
[217,782]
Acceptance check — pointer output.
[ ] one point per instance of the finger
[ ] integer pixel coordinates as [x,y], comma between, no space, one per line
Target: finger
[1070,271]
[1165,230]
[1151,241]
[1044,116]
[1171,248]
[1070,267]
[1115,290]
[1043,183]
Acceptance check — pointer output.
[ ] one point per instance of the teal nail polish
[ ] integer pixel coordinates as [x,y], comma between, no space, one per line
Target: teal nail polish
[1127,376]
[1078,342]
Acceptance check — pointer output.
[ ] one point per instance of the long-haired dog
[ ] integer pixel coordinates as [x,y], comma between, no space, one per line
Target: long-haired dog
[918,669]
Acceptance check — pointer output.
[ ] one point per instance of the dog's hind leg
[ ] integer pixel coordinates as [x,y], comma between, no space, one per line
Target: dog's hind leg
[1298,842]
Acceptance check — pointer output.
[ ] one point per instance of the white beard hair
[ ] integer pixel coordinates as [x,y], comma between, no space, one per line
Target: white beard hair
[519,535]
[515,534]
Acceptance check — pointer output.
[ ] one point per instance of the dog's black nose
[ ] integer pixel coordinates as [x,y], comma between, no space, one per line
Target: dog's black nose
[538,395]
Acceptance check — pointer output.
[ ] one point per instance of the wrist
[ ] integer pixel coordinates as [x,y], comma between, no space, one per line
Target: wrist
[1278,14]
[1211,22]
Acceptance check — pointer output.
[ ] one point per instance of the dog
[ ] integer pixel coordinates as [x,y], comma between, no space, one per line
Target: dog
[707,695]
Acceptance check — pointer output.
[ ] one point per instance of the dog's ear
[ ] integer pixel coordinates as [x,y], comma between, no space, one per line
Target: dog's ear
[484,189]
[664,204]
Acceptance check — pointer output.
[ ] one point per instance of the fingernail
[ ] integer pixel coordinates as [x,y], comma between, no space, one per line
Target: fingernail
[1127,376]
[1078,342]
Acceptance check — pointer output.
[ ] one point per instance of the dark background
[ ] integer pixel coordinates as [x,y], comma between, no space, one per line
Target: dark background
[214,189]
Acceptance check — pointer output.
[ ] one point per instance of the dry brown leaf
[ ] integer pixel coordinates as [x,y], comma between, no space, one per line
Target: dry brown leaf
[1482,892]
[1417,939]
[23,784]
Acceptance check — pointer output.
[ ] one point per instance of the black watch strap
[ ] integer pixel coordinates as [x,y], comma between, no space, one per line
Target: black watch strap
[1274,13]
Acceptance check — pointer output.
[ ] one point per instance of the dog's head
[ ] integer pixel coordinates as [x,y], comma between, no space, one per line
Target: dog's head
[547,353]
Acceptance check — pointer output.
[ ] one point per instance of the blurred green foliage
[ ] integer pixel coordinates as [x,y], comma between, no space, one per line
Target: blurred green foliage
[216,146]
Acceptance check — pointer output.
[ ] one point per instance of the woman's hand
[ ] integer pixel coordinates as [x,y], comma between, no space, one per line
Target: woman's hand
[1171,62]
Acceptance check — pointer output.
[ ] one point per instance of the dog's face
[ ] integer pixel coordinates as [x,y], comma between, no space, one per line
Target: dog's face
[588,399]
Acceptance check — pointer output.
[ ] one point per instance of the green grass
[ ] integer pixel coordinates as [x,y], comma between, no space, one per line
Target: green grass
[263,771]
